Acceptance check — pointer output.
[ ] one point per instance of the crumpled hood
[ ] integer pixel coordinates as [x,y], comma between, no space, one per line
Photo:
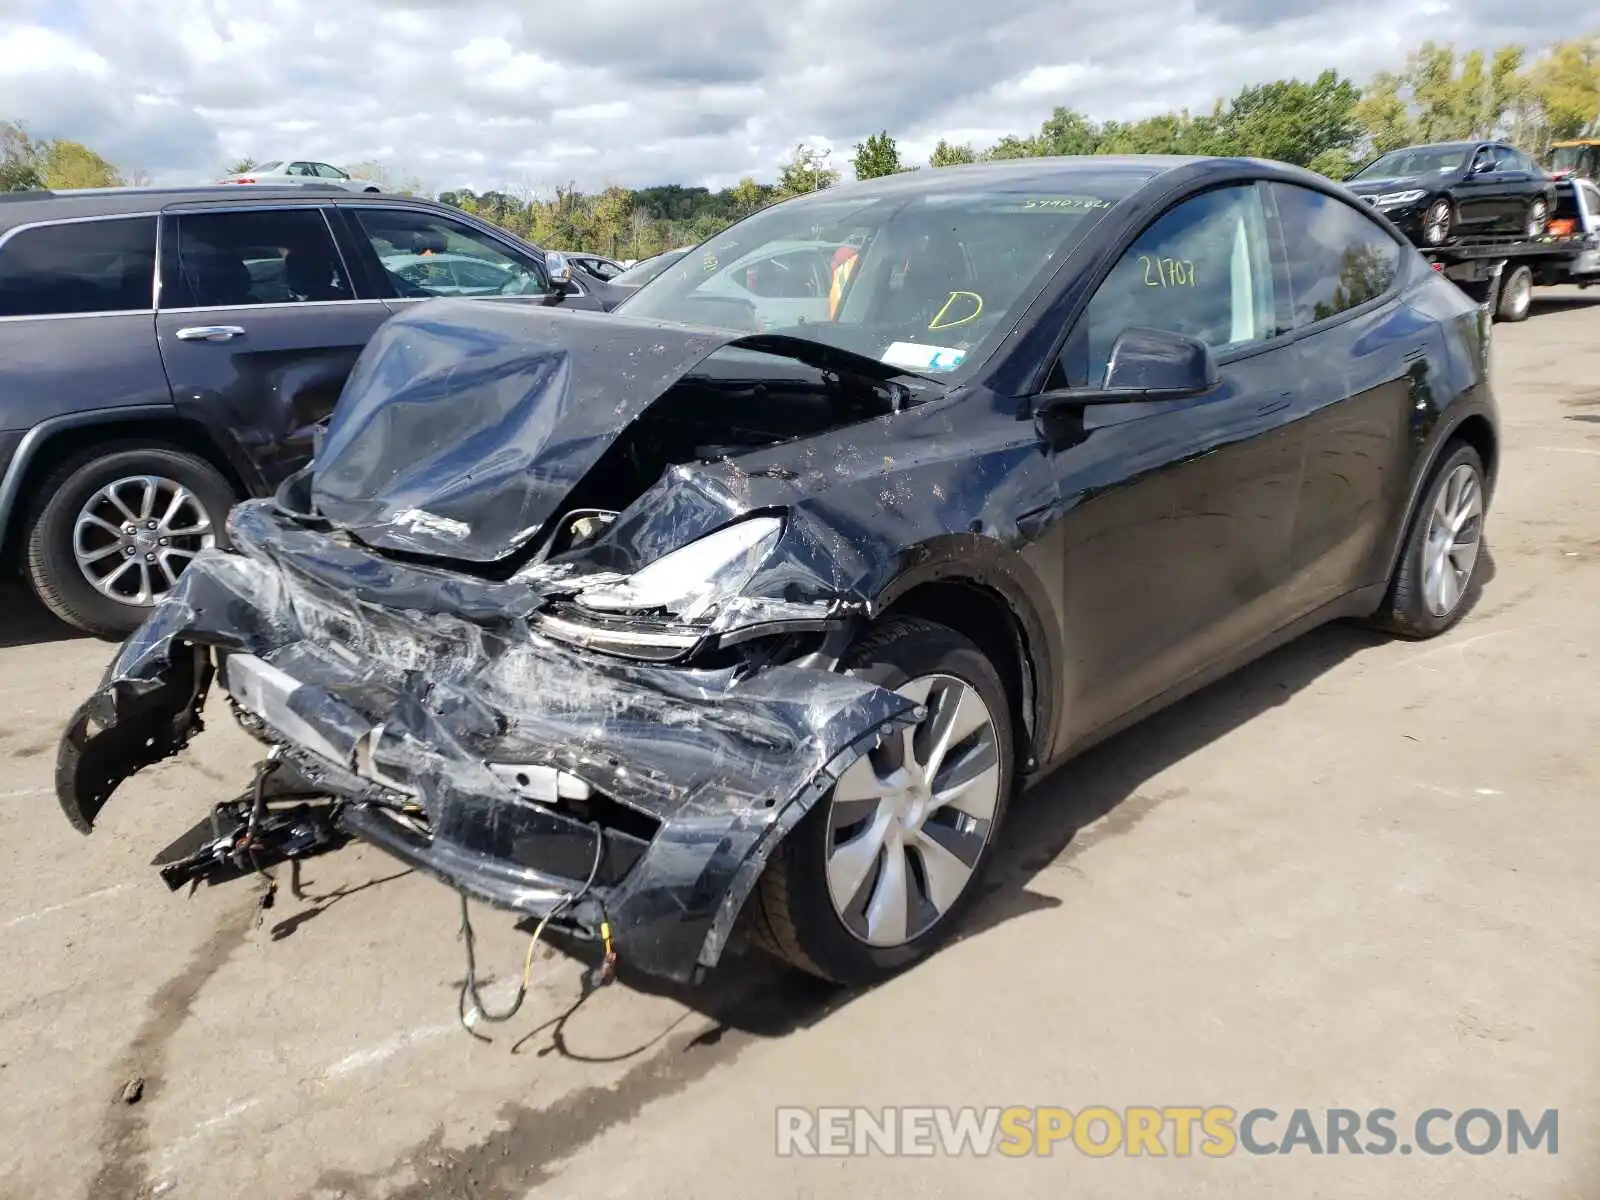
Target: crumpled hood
[465,424]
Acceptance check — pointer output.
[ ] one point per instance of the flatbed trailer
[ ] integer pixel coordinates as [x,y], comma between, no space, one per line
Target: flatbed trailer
[1500,273]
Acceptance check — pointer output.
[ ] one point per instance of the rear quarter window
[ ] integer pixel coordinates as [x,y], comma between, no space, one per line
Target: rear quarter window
[98,266]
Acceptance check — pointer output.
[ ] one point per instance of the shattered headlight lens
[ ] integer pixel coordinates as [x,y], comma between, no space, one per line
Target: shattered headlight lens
[687,583]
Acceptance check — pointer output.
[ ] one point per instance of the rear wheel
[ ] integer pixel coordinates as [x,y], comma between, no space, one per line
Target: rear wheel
[1538,217]
[1435,574]
[877,875]
[1438,222]
[116,526]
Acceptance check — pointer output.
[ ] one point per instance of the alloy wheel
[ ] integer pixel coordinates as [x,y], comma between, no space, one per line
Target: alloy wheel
[134,536]
[1537,212]
[1455,533]
[908,823]
[1436,223]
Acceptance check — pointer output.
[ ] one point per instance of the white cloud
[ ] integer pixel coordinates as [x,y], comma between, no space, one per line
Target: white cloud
[483,94]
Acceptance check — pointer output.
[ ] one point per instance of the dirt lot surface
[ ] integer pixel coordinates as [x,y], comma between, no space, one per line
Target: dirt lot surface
[1361,873]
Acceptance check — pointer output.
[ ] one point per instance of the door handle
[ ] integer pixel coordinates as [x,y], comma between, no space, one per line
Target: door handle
[210,333]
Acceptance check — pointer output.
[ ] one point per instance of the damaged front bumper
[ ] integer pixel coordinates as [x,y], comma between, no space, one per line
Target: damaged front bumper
[535,776]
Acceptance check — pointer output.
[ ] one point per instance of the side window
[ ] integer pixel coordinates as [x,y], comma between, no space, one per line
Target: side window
[79,267]
[324,171]
[1203,269]
[481,266]
[261,256]
[1483,160]
[605,270]
[1338,256]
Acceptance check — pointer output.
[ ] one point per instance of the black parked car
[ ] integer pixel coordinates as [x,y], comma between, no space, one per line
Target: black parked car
[134,413]
[1458,189]
[646,621]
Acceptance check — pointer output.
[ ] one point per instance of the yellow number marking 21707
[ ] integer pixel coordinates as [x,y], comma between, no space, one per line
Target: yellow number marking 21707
[1167,272]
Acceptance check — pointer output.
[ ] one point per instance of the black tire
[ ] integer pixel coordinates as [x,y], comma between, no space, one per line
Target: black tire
[1438,221]
[1405,612]
[373,191]
[794,916]
[1515,300]
[1538,217]
[48,558]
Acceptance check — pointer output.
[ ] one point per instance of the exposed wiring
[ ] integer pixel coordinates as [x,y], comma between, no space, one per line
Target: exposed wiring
[470,1014]
[247,845]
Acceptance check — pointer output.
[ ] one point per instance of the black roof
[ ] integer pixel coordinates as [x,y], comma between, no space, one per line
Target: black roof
[22,208]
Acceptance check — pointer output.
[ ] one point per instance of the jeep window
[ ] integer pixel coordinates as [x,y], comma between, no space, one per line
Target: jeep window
[255,256]
[79,267]
[403,239]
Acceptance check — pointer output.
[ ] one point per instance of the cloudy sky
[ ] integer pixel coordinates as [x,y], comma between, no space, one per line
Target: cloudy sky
[485,93]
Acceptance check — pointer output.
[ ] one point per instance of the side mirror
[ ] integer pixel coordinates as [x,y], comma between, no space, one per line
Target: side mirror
[1145,364]
[558,269]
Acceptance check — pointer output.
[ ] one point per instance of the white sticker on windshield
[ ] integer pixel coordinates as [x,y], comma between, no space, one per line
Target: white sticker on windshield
[914,356]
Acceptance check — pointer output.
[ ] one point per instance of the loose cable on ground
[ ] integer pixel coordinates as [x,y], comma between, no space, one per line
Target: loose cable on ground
[470,1014]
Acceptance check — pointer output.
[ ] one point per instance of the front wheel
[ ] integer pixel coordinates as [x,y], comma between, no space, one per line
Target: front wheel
[1438,222]
[876,876]
[1437,567]
[115,527]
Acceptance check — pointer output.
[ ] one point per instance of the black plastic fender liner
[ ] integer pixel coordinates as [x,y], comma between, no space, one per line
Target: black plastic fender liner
[129,725]
[744,880]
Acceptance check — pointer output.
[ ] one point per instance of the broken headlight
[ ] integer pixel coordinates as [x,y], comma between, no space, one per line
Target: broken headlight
[662,609]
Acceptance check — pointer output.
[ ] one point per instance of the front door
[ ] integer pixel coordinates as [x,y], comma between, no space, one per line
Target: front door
[1178,513]
[259,326]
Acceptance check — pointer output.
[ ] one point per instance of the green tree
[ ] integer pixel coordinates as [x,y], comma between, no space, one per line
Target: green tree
[239,166]
[73,165]
[946,155]
[19,159]
[1011,147]
[1290,120]
[877,156]
[1067,131]
[747,196]
[1566,84]
[807,171]
[1383,116]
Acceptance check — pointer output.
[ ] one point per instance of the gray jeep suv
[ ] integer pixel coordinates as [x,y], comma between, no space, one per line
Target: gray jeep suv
[165,353]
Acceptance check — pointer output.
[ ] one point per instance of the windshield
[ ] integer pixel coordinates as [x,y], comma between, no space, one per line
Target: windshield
[1570,158]
[926,280]
[265,167]
[644,272]
[1416,160]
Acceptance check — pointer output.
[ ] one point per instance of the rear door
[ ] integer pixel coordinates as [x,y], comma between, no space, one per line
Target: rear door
[1363,358]
[259,324]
